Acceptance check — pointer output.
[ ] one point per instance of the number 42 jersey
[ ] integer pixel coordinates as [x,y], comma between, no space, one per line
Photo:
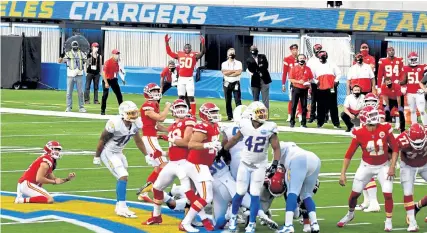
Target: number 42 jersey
[255,149]
[121,133]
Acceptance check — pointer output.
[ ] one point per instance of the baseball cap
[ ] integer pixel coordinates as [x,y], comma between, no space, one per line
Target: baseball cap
[115,51]
[94,44]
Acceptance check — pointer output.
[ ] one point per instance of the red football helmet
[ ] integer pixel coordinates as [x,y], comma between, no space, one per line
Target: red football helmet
[372,115]
[417,136]
[152,92]
[53,148]
[362,117]
[179,108]
[413,58]
[370,100]
[276,184]
[209,112]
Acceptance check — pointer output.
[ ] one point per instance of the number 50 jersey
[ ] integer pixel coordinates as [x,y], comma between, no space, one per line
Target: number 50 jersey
[255,150]
[121,133]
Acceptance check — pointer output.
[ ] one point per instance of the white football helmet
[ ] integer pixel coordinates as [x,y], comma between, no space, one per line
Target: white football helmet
[258,112]
[238,113]
[129,111]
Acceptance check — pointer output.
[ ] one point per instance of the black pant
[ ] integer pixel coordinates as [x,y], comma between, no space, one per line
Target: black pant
[299,94]
[393,104]
[313,101]
[166,87]
[114,84]
[347,120]
[327,101]
[228,94]
[89,78]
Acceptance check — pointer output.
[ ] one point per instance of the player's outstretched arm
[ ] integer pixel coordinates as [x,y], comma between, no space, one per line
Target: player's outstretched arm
[196,142]
[41,175]
[233,141]
[161,128]
[105,137]
[159,116]
[70,177]
[183,142]
[203,50]
[275,145]
[139,143]
[168,48]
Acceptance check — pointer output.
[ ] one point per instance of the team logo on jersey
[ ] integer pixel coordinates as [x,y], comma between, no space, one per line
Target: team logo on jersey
[397,62]
[92,213]
[179,124]
[419,69]
[382,134]
[264,132]
[191,55]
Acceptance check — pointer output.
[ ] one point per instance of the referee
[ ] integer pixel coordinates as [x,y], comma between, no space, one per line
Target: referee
[109,79]
[300,76]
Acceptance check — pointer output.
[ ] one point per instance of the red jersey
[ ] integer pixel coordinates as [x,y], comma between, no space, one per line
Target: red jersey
[288,63]
[374,144]
[31,173]
[205,156]
[410,156]
[393,92]
[111,68]
[149,124]
[388,67]
[177,130]
[414,75]
[167,75]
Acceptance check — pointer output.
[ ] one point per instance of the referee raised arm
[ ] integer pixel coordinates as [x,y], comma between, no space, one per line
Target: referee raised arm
[109,79]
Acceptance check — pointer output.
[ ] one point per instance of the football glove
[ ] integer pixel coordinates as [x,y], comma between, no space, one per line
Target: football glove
[97,161]
[212,145]
[156,154]
[272,169]
[225,154]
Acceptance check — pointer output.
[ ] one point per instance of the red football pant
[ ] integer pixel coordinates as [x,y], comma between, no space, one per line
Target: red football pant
[37,199]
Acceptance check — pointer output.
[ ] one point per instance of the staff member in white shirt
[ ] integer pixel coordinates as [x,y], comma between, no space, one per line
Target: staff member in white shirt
[362,75]
[232,70]
[353,104]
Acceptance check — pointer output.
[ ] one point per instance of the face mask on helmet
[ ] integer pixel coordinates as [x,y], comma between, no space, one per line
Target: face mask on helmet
[260,115]
[152,92]
[53,149]
[129,111]
[413,61]
[416,136]
[180,110]
[131,115]
[209,112]
[372,117]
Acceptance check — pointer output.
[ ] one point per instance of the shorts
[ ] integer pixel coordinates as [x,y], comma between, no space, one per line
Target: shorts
[116,163]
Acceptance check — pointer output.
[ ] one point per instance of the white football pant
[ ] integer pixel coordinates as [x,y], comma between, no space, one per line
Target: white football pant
[115,162]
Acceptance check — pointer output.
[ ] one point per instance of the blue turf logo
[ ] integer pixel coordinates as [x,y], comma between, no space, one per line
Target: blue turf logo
[92,213]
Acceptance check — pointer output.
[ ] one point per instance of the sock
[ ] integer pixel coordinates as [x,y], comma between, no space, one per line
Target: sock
[202,214]
[409,207]
[371,188]
[189,217]
[365,198]
[220,223]
[352,200]
[254,208]
[191,195]
[37,199]
[289,218]
[193,108]
[388,204]
[291,202]
[235,203]
[158,200]
[309,204]
[290,107]
[121,190]
[422,203]
[313,216]
[153,176]
[306,221]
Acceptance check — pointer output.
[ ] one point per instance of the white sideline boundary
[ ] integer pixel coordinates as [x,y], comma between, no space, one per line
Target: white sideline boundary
[167,121]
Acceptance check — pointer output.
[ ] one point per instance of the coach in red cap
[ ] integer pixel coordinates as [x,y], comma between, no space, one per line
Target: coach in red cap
[93,70]
[109,79]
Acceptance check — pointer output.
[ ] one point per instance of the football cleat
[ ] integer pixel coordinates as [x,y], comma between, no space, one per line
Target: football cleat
[145,198]
[315,228]
[361,206]
[19,200]
[347,218]
[413,227]
[146,188]
[307,228]
[153,220]
[196,223]
[270,223]
[388,226]
[373,207]
[250,228]
[208,224]
[125,212]
[286,229]
[232,224]
[187,228]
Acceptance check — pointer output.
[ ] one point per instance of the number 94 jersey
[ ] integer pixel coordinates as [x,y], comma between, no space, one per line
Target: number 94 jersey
[255,150]
[121,132]
[374,144]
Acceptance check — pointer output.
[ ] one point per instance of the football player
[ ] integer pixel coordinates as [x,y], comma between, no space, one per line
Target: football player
[117,133]
[412,74]
[420,204]
[204,145]
[150,116]
[389,66]
[413,153]
[374,139]
[257,133]
[187,61]
[41,172]
[302,170]
[179,136]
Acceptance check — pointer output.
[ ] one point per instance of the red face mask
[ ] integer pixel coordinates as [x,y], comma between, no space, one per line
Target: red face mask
[364,52]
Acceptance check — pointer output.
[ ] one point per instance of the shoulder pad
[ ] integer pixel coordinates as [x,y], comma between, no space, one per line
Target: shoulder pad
[111,125]
[47,159]
[201,127]
[189,122]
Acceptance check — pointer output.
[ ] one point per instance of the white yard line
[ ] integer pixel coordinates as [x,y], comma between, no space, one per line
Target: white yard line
[330,207]
[46,135]
[43,221]
[46,122]
[77,168]
[359,223]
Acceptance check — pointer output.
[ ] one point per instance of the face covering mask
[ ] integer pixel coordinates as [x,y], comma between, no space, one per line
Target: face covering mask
[323,59]
[389,85]
[75,48]
[364,52]
[232,56]
[172,69]
[301,62]
[254,52]
[356,94]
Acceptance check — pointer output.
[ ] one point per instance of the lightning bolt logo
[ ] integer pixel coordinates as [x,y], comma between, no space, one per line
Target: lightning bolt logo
[275,18]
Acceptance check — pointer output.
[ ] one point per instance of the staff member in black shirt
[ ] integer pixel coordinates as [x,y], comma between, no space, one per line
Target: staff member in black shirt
[94,62]
[257,65]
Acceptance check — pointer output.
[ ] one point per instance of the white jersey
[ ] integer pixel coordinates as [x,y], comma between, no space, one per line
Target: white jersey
[255,149]
[229,132]
[218,169]
[121,132]
[290,150]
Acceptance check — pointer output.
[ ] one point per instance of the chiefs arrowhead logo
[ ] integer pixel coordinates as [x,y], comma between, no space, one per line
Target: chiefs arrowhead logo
[191,55]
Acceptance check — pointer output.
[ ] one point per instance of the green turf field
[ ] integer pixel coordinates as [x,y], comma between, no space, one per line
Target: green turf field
[22,137]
